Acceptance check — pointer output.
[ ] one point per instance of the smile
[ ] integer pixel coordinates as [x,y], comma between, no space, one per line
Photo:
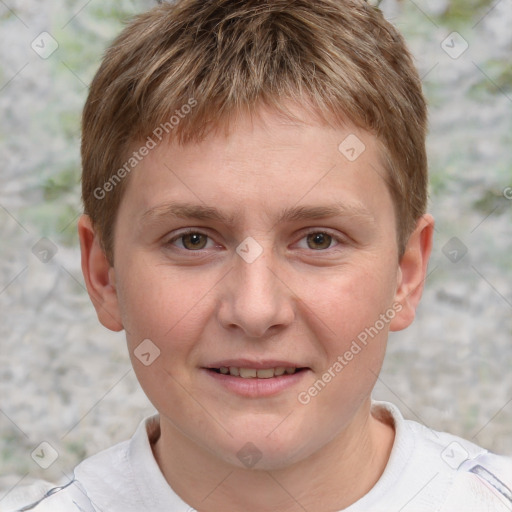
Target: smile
[261,382]
[255,373]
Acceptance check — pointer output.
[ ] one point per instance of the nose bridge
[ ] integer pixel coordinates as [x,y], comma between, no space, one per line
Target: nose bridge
[256,300]
[257,276]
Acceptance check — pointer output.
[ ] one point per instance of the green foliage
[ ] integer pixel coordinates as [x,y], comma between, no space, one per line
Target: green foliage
[504,80]
[492,201]
[66,181]
[465,12]
[56,219]
[499,81]
[113,11]
[77,449]
[437,183]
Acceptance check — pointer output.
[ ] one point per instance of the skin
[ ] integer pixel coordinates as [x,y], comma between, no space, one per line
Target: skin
[303,300]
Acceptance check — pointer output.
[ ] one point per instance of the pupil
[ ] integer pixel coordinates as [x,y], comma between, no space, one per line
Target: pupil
[193,240]
[321,239]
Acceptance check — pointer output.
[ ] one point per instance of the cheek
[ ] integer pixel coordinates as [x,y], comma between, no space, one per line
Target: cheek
[170,309]
[352,336]
[162,304]
[347,301]
[346,320]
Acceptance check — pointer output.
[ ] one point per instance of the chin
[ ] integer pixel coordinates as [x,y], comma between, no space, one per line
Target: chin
[262,449]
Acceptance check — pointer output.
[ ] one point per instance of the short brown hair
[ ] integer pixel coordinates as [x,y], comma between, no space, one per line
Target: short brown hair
[339,58]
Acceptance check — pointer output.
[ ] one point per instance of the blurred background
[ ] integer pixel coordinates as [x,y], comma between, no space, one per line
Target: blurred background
[67,381]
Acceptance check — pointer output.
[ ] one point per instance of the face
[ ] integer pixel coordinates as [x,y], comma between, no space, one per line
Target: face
[268,250]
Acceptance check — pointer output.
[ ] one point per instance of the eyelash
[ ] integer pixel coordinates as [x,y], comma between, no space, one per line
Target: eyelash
[337,238]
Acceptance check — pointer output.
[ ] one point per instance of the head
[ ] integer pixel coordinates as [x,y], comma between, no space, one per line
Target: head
[259,116]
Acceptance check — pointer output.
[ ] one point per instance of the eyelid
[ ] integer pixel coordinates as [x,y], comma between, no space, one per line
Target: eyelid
[184,232]
[342,240]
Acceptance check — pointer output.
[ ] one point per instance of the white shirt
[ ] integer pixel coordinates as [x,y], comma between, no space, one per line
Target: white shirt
[427,471]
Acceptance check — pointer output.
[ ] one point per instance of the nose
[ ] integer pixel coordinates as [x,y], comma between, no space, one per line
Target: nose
[256,298]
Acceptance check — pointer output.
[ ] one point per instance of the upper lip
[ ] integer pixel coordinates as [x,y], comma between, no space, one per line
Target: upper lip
[258,365]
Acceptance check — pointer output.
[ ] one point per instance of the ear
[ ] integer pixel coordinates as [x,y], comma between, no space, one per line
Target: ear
[412,272]
[99,276]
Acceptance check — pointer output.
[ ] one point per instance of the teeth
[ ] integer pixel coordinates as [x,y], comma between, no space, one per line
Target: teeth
[252,373]
[248,373]
[265,374]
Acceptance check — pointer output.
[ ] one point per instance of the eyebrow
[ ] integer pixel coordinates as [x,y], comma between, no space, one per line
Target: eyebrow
[291,214]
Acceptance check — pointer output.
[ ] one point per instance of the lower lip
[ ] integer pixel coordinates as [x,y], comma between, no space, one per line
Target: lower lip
[256,388]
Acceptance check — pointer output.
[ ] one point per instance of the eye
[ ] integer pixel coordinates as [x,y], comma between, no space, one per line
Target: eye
[194,241]
[320,240]
[190,240]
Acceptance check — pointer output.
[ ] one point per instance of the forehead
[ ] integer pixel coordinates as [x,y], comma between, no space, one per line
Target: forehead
[265,166]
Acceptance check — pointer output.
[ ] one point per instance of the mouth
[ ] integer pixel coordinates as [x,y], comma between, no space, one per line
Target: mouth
[257,373]
[249,378]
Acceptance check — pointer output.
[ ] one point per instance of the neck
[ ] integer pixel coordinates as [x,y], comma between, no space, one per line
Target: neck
[336,476]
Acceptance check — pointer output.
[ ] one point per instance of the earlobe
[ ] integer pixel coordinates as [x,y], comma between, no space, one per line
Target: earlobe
[99,276]
[412,272]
